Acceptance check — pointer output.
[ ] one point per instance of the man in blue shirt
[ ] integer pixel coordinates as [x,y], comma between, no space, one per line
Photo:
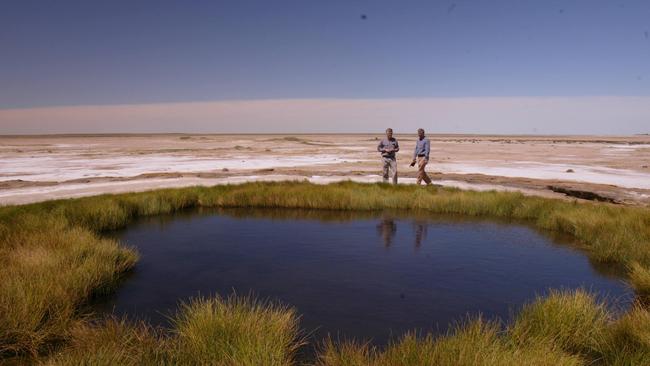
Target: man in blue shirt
[388,147]
[421,156]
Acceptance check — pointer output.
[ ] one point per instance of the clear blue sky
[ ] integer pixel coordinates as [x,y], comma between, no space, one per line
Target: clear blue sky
[113,52]
[484,66]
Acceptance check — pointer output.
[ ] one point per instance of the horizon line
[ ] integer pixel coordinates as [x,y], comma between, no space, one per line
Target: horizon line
[523,115]
[118,134]
[297,99]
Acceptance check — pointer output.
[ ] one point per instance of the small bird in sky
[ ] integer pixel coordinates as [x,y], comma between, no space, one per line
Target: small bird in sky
[364,16]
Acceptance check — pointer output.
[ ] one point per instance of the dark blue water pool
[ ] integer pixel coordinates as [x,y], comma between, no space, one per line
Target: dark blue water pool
[367,276]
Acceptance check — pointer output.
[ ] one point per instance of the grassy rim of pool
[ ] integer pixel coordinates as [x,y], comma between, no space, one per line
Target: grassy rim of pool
[53,260]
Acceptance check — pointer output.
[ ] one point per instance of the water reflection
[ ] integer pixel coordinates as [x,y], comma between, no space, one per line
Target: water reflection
[387,230]
[420,232]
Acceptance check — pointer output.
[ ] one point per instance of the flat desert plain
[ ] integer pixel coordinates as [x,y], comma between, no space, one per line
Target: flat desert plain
[37,168]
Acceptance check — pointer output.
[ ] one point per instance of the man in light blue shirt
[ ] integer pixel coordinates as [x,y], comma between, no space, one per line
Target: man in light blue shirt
[421,156]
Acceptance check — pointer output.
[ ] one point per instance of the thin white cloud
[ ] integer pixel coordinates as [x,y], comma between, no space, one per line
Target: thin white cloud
[514,115]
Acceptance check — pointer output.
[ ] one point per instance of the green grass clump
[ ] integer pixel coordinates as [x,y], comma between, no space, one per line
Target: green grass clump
[627,340]
[113,342]
[477,342]
[573,321]
[640,279]
[236,331]
[48,270]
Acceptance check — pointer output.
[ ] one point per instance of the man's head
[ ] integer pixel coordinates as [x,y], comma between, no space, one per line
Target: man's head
[389,133]
[420,133]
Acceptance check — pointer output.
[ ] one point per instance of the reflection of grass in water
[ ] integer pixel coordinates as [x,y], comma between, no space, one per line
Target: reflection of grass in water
[53,260]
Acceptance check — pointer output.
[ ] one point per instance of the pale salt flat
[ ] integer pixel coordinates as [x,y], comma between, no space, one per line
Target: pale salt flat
[622,149]
[628,146]
[528,169]
[61,168]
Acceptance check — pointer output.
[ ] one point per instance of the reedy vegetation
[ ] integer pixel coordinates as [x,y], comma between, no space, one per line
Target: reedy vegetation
[53,259]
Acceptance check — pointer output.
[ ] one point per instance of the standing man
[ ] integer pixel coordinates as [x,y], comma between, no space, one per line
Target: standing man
[388,147]
[421,156]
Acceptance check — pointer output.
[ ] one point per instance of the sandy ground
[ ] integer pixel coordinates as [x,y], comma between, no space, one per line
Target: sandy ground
[37,168]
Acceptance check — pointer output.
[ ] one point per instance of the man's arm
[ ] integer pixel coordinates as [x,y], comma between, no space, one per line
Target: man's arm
[396,146]
[415,154]
[427,148]
[380,147]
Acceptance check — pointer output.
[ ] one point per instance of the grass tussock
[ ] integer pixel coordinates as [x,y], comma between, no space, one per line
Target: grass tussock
[640,279]
[47,273]
[573,321]
[477,342]
[113,342]
[627,340]
[53,258]
[236,331]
